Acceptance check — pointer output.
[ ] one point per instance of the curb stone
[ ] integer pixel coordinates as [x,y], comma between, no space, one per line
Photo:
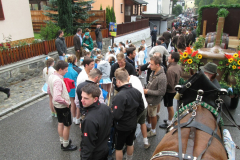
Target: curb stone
[6,111]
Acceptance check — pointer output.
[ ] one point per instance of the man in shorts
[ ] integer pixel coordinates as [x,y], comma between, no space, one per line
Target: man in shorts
[126,106]
[136,83]
[154,92]
[61,102]
[173,75]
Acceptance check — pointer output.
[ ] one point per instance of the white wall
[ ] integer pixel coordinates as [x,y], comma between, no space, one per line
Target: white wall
[166,6]
[134,37]
[18,22]
[151,6]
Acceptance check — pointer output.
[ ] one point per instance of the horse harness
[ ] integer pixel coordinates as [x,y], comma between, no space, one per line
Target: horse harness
[193,125]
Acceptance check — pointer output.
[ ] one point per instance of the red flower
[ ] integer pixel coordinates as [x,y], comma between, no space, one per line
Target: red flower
[8,44]
[1,45]
[228,56]
[239,54]
[185,61]
[227,64]
[194,53]
[238,67]
[181,53]
[189,50]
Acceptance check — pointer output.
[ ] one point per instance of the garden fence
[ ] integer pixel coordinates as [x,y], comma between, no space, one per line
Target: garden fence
[31,50]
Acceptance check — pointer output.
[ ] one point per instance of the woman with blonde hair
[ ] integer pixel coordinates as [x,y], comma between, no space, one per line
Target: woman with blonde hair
[47,71]
[72,74]
[141,56]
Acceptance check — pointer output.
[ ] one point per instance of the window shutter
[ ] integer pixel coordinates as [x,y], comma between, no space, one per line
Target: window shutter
[1,11]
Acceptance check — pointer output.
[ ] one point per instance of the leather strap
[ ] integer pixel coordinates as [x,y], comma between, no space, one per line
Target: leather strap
[179,137]
[178,127]
[190,144]
[173,154]
[214,133]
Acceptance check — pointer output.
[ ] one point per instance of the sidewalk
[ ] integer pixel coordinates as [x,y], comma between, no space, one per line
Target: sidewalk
[27,91]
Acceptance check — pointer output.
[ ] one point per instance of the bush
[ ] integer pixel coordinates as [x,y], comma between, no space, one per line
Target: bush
[50,31]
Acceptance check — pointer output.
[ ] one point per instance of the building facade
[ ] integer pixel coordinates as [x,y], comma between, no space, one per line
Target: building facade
[15,20]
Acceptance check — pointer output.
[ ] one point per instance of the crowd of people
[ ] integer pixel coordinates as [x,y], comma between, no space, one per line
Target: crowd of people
[103,93]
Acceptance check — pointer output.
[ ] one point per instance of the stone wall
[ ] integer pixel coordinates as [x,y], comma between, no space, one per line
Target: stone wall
[32,67]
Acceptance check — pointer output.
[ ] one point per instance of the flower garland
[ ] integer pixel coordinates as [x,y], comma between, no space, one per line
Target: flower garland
[231,67]
[190,59]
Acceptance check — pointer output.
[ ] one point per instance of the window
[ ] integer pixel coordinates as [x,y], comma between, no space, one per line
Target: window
[121,8]
[1,11]
[134,9]
[127,10]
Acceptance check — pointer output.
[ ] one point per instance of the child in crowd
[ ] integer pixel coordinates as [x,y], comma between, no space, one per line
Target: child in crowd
[145,51]
[47,71]
[121,44]
[96,62]
[141,56]
[128,42]
[72,74]
[110,53]
[116,49]
[105,67]
[86,53]
[111,60]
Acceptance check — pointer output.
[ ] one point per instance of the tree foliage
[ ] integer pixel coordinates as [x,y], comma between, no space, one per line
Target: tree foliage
[79,13]
[65,18]
[100,7]
[110,15]
[50,31]
[177,10]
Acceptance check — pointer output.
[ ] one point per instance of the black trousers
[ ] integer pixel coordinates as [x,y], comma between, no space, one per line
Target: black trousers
[154,42]
[5,90]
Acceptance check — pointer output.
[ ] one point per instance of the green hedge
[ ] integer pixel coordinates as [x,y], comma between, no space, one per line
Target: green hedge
[212,6]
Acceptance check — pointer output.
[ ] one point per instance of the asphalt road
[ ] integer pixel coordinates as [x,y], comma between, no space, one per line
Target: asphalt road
[31,133]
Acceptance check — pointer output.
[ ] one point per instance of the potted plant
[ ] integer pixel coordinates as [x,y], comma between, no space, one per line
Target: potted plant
[190,60]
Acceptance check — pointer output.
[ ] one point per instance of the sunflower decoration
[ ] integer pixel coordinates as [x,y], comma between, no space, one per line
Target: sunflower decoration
[180,56]
[230,60]
[189,61]
[185,54]
[238,62]
[234,67]
[235,55]
[199,56]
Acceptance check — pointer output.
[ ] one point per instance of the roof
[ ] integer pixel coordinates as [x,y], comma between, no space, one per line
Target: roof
[140,1]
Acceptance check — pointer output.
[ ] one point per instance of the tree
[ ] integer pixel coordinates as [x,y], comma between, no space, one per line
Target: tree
[110,15]
[177,10]
[200,3]
[226,2]
[113,17]
[79,13]
[100,7]
[65,19]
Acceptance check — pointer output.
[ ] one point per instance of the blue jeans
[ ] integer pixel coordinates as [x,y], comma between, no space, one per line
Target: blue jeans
[61,58]
[99,44]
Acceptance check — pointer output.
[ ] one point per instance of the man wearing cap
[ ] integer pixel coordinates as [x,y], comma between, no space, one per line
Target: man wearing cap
[210,70]
[167,35]
[154,35]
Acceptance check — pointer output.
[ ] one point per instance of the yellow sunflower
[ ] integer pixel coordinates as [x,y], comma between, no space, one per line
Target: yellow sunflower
[185,54]
[238,62]
[189,61]
[234,67]
[230,60]
[180,56]
[199,56]
[235,55]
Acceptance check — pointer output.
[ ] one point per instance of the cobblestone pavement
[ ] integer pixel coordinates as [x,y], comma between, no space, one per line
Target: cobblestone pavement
[29,88]
[21,92]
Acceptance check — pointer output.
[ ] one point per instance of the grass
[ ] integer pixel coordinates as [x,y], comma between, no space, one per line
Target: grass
[37,36]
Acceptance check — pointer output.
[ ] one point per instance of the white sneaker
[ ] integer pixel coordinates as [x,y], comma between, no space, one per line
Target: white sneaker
[77,121]
[74,119]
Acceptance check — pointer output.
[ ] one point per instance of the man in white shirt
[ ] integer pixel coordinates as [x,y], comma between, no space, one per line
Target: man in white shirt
[136,83]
